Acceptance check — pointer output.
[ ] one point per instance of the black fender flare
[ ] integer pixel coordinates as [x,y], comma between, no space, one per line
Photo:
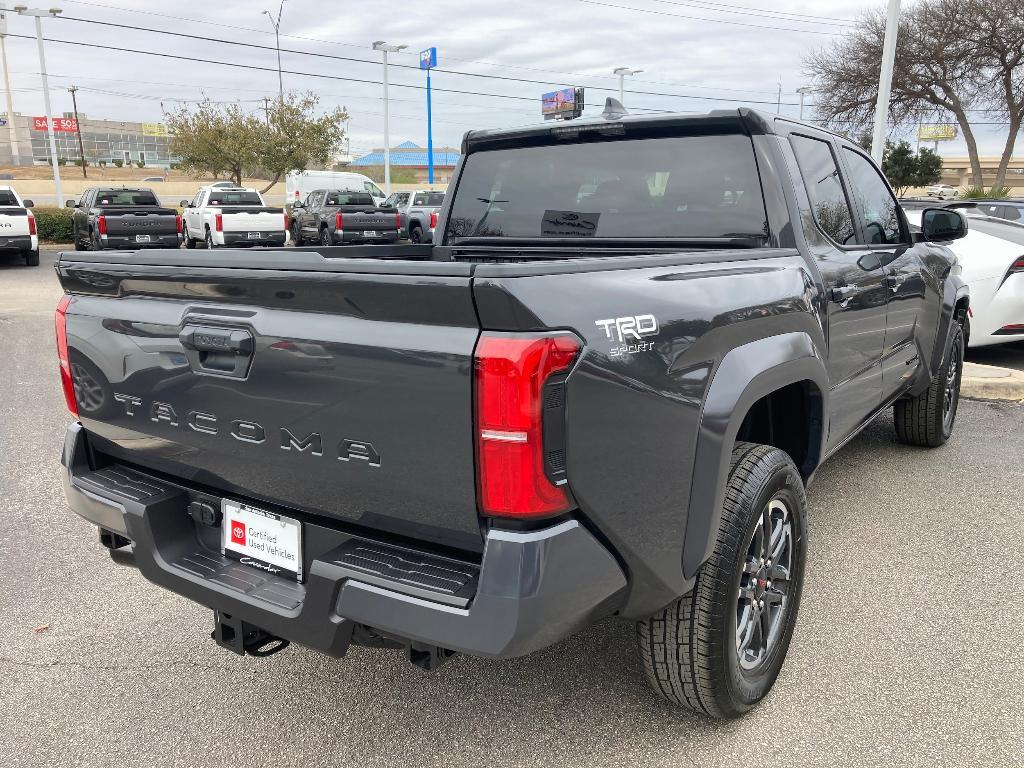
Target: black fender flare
[745,375]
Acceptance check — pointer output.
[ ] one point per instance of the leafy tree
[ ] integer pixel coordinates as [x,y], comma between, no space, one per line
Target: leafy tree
[900,166]
[952,57]
[929,167]
[225,139]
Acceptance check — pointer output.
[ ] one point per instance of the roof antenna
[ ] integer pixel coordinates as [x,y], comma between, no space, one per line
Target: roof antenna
[613,109]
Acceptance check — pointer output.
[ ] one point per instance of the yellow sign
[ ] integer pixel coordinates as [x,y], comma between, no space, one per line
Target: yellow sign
[936,132]
[154,129]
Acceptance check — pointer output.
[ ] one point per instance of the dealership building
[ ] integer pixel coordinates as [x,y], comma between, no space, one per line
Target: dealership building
[414,157]
[102,140]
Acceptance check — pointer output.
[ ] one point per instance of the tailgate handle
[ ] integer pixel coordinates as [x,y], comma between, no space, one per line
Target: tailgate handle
[218,351]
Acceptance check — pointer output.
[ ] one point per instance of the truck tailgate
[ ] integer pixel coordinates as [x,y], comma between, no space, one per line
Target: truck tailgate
[378,221]
[242,219]
[152,222]
[13,222]
[341,389]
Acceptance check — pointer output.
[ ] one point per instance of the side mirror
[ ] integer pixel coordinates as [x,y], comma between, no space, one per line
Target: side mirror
[29,203]
[185,204]
[943,224]
[298,204]
[70,204]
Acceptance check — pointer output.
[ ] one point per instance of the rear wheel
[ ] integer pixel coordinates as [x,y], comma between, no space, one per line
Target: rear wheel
[325,237]
[719,649]
[416,234]
[210,245]
[296,235]
[94,242]
[32,258]
[928,419]
[189,242]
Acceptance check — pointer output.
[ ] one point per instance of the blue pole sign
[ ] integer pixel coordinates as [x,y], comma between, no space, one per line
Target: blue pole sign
[428,60]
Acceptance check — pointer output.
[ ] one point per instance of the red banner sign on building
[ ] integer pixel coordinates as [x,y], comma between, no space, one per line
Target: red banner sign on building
[65,124]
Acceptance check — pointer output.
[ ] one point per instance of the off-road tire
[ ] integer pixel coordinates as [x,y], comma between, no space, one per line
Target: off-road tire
[925,420]
[186,238]
[689,649]
[210,245]
[297,236]
[325,237]
[32,258]
[416,234]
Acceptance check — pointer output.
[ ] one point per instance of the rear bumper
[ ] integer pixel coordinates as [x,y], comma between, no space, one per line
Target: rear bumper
[17,244]
[531,589]
[275,239]
[358,236]
[128,242]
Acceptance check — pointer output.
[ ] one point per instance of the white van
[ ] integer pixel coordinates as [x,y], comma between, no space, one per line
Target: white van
[298,184]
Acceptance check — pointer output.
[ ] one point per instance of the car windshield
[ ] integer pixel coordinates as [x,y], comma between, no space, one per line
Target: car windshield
[7,198]
[114,197]
[234,197]
[678,187]
[349,198]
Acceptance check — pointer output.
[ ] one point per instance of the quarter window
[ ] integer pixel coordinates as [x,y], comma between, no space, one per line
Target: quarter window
[880,212]
[824,188]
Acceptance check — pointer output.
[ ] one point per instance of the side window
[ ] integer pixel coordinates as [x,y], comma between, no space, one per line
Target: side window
[391,202]
[824,188]
[1010,213]
[313,199]
[197,199]
[372,188]
[420,200]
[879,208]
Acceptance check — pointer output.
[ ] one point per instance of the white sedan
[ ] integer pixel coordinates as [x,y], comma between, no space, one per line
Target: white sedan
[942,191]
[992,257]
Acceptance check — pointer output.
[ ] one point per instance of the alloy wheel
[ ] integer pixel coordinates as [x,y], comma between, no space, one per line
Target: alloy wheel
[89,393]
[764,586]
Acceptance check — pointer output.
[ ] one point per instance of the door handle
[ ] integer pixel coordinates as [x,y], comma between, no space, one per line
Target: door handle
[895,280]
[217,351]
[841,293]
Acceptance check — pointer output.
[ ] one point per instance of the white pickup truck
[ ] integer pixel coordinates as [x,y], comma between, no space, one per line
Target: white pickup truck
[233,217]
[18,233]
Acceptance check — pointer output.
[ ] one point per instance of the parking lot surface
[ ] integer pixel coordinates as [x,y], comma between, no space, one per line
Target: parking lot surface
[907,649]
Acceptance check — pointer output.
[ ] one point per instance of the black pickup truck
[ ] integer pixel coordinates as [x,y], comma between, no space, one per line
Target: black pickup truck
[601,392]
[122,218]
[336,216]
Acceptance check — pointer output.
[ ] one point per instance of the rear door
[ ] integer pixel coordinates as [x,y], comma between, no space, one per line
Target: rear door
[321,386]
[854,288]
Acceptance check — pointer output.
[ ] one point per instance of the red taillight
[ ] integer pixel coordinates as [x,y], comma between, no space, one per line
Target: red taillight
[1018,265]
[339,221]
[177,223]
[218,222]
[433,219]
[31,224]
[511,370]
[60,322]
[398,221]
[101,225]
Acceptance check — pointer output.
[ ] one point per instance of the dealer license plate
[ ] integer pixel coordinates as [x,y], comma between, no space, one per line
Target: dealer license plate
[371,233]
[255,235]
[260,539]
[143,239]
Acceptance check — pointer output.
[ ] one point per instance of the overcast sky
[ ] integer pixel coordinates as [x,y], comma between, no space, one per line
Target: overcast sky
[698,55]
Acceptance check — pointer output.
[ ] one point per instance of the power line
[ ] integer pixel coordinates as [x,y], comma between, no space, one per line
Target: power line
[705,18]
[804,18]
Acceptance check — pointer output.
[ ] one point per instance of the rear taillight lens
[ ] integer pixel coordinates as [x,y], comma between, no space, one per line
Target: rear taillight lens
[339,221]
[218,222]
[1017,266]
[177,223]
[433,219]
[511,371]
[398,221]
[60,322]
[101,225]
[31,224]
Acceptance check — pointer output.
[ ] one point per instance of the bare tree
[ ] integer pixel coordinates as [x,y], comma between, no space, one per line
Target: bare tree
[953,58]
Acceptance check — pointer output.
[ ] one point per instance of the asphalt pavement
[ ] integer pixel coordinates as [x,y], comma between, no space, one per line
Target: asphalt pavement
[907,649]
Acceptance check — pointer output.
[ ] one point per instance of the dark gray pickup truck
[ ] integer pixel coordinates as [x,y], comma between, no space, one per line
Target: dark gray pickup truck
[601,392]
[123,218]
[336,217]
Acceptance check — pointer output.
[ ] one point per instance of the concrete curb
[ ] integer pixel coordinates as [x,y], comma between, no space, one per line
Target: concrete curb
[987,382]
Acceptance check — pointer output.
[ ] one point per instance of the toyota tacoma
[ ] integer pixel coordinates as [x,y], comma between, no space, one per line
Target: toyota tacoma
[601,392]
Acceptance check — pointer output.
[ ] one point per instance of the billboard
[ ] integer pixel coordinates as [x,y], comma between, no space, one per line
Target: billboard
[60,124]
[154,129]
[936,132]
[564,104]
[428,58]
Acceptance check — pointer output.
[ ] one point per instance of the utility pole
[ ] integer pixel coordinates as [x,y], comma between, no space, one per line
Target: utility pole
[277,36]
[78,129]
[266,109]
[892,28]
[385,49]
[39,13]
[803,92]
[622,72]
[12,130]
[778,104]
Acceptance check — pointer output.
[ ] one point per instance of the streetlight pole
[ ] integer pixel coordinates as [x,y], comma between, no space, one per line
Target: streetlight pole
[277,37]
[78,129]
[385,49]
[803,92]
[39,13]
[12,130]
[892,28]
[622,72]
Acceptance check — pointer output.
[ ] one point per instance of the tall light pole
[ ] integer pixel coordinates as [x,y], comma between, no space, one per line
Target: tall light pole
[622,72]
[385,49]
[892,28]
[276,24]
[803,92]
[15,158]
[39,13]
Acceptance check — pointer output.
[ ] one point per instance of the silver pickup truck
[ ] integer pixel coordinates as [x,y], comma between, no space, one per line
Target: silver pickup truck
[418,211]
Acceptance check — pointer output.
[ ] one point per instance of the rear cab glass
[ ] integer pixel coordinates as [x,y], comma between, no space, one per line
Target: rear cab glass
[429,199]
[114,197]
[236,197]
[349,198]
[7,198]
[699,186]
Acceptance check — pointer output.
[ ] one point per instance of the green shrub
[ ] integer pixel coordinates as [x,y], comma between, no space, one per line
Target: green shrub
[54,224]
[139,164]
[980,193]
[118,162]
[103,163]
[62,161]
